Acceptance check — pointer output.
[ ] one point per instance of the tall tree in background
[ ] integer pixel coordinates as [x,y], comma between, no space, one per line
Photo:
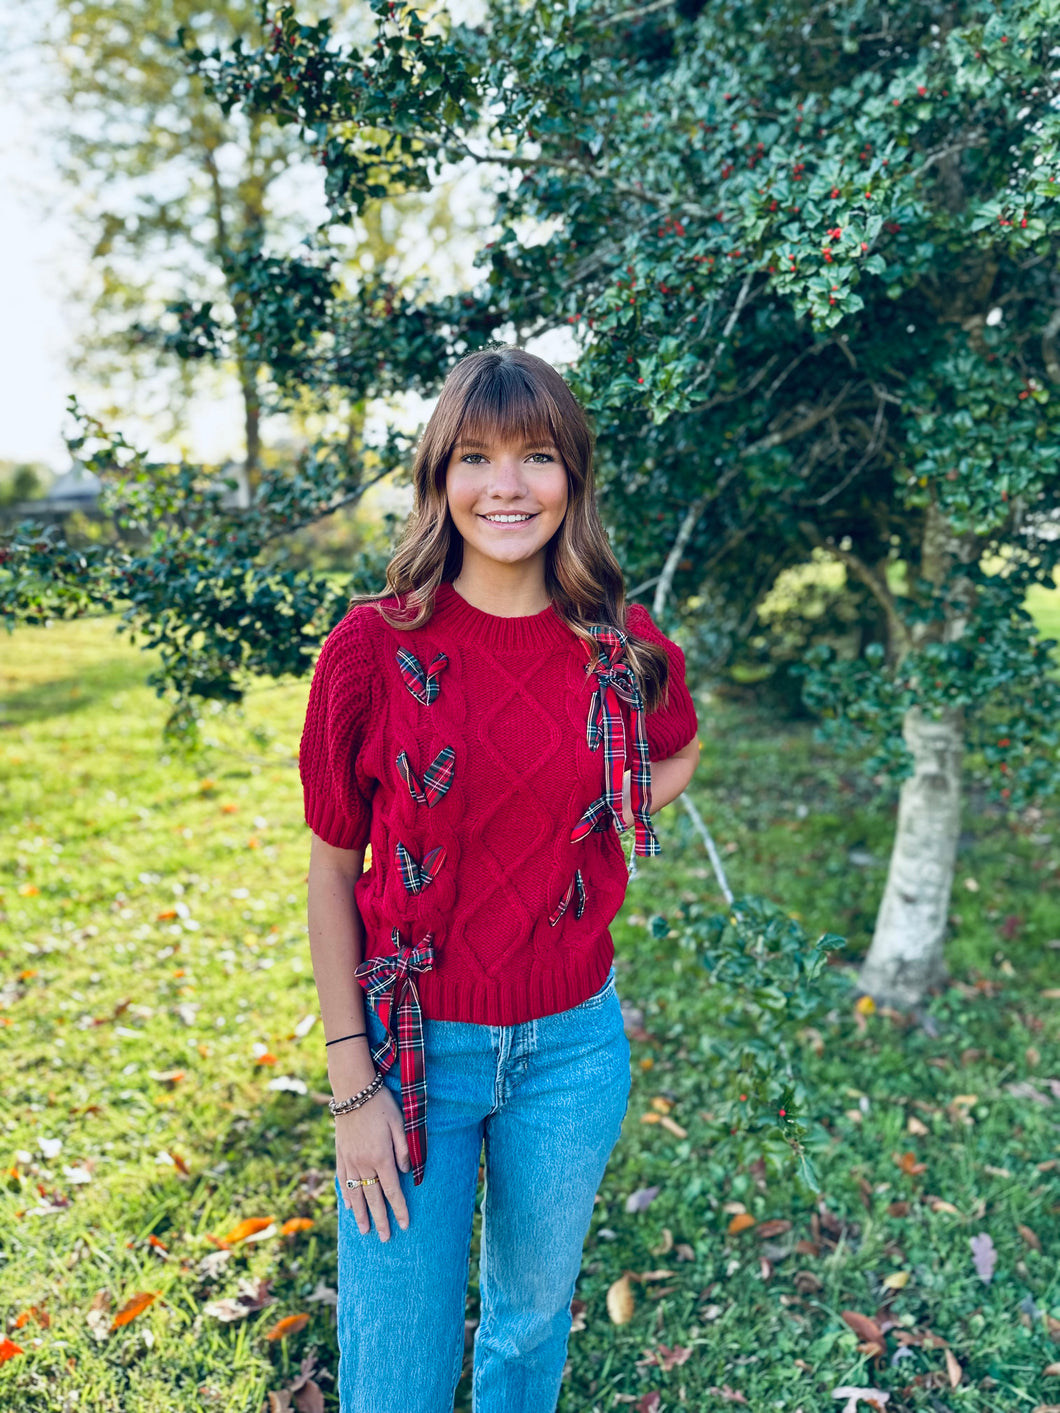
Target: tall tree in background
[187,209]
[808,253]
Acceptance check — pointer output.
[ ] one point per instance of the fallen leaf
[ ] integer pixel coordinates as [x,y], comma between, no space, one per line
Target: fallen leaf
[248,1227]
[642,1198]
[33,1313]
[666,1243]
[953,1369]
[727,1394]
[251,1295]
[289,1325]
[1051,1371]
[279,1402]
[309,1398]
[326,1294]
[863,1326]
[620,1301]
[666,1357]
[776,1226]
[672,1126]
[897,1280]
[984,1255]
[135,1305]
[916,1127]
[938,1205]
[651,1117]
[742,1221]
[661,1104]
[865,1006]
[877,1397]
[577,1316]
[908,1164]
[649,1403]
[293,1224]
[1030,1237]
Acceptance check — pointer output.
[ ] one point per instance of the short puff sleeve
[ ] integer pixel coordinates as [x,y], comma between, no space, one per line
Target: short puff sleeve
[670,727]
[337,795]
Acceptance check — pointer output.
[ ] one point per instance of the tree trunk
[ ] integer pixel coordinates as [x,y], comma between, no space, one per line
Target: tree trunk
[906,956]
[251,424]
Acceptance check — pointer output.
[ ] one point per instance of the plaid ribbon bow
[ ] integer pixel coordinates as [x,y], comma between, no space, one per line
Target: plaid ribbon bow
[616,679]
[436,778]
[390,988]
[422,683]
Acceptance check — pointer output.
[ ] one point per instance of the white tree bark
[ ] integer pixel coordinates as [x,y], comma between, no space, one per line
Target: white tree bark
[906,956]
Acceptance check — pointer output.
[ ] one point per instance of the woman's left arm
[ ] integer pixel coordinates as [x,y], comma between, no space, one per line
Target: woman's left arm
[669,778]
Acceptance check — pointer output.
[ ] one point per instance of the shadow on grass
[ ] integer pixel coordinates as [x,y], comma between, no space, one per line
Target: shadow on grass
[63,696]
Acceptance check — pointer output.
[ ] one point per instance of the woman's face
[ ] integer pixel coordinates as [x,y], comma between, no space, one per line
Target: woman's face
[507,499]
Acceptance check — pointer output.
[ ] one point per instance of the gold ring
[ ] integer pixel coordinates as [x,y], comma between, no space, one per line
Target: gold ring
[366,1181]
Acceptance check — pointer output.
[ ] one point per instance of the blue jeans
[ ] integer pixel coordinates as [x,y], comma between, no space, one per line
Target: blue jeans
[548,1098]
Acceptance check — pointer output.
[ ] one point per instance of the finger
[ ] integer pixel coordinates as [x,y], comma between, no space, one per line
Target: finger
[377,1207]
[391,1185]
[401,1146]
[355,1203]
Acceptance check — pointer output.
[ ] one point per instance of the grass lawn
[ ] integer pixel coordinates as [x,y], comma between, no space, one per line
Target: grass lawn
[163,1072]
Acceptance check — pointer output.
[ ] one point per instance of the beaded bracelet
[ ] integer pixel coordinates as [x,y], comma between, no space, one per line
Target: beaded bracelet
[355,1101]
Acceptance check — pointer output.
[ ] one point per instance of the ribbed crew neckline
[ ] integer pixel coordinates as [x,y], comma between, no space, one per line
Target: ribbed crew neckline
[532,630]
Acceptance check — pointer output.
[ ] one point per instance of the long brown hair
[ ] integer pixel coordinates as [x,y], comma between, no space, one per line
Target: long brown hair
[509,393]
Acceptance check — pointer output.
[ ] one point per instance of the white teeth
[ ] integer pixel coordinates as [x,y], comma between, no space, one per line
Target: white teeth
[506,519]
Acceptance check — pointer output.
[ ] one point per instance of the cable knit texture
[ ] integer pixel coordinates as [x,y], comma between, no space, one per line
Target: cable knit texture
[466,765]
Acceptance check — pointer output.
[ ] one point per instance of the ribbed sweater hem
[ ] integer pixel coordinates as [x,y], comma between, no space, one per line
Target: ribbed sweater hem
[541,993]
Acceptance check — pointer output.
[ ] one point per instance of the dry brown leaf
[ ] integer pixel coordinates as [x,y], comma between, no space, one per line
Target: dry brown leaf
[661,1104]
[742,1221]
[776,1226]
[309,1398]
[937,1205]
[806,1283]
[620,1301]
[134,1306]
[916,1127]
[863,1326]
[672,1126]
[1051,1371]
[953,1369]
[289,1325]
[666,1243]
[577,1314]
[1030,1237]
[908,1164]
[280,1402]
[650,1117]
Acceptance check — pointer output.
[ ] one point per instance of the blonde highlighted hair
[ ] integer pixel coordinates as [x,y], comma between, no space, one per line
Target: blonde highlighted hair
[511,394]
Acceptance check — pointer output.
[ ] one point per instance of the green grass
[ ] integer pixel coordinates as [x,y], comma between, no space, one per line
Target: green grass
[152,923]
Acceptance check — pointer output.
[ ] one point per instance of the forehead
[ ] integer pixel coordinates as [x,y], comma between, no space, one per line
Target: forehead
[506,412]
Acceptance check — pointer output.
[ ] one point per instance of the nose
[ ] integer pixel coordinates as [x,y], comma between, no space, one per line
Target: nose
[507,478]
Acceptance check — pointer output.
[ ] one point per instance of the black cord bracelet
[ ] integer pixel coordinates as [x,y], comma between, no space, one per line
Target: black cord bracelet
[345,1037]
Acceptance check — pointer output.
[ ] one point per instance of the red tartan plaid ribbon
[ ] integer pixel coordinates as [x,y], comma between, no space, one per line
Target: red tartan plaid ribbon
[616,679]
[416,875]
[423,685]
[390,987]
[436,778]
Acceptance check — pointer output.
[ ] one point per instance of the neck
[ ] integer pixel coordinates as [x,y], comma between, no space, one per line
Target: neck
[510,590]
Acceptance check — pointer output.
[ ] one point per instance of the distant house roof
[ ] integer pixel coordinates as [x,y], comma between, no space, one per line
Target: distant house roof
[73,490]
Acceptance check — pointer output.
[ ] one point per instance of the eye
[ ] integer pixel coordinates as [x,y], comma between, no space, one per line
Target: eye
[473,456]
[545,456]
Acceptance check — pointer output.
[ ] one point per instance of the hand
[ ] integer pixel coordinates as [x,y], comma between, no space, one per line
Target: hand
[370,1142]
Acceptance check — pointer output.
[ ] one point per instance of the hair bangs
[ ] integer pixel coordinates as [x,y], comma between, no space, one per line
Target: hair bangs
[504,404]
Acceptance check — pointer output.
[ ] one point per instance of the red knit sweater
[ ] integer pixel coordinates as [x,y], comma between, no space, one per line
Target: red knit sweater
[485,860]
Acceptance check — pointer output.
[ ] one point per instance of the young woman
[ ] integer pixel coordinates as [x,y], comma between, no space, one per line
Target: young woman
[490,727]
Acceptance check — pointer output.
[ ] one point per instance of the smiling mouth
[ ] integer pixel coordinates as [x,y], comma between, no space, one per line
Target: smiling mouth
[508,518]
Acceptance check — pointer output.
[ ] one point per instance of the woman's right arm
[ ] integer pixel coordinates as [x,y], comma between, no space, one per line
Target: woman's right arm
[370,1141]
